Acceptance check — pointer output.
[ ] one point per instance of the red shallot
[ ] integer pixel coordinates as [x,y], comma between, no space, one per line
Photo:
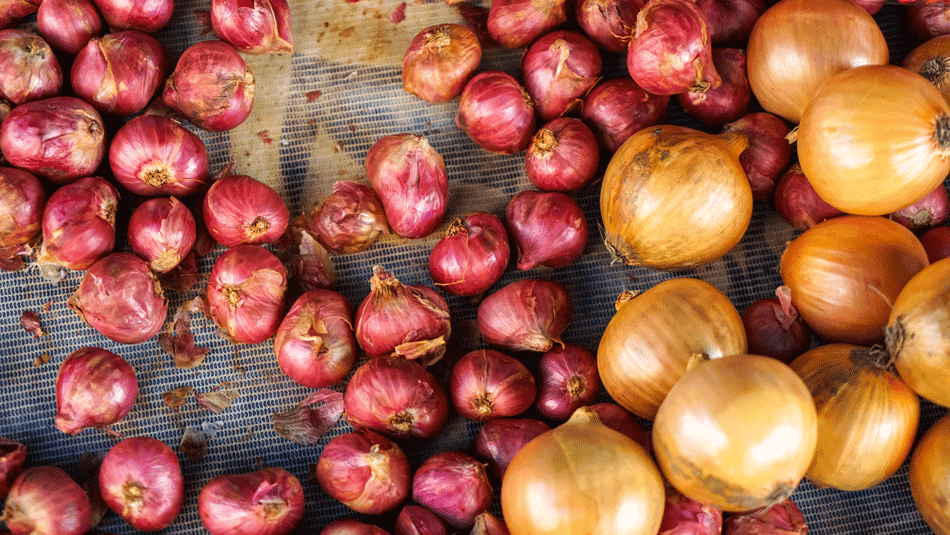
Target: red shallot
[350,220]
[936,242]
[246,293]
[619,419]
[929,211]
[94,388]
[148,16]
[568,380]
[558,69]
[12,457]
[28,68]
[684,516]
[396,397]
[402,320]
[348,526]
[22,200]
[417,520]
[774,328]
[563,156]
[929,21]
[517,23]
[13,10]
[500,439]
[439,61]
[609,23]
[68,25]
[79,224]
[731,20]
[487,384]
[548,228]
[496,112]
[269,501]
[616,109]
[798,203]
[783,518]
[768,153]
[141,480]
[162,231]
[454,486]
[729,101]
[314,344]
[154,155]
[238,209]
[526,315]
[44,500]
[258,27]
[489,524]
[471,256]
[365,471]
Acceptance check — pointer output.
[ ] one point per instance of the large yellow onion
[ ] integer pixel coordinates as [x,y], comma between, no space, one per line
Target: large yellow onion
[659,334]
[918,333]
[932,61]
[582,478]
[930,476]
[845,274]
[675,198]
[875,139]
[737,432]
[867,416]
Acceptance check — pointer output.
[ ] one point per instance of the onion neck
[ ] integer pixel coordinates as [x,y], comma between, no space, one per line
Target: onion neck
[438,39]
[133,495]
[401,421]
[155,175]
[258,227]
[576,386]
[936,70]
[942,133]
[894,336]
[545,141]
[483,404]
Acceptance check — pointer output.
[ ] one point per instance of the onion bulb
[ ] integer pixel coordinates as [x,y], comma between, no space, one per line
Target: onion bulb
[932,61]
[747,443]
[930,476]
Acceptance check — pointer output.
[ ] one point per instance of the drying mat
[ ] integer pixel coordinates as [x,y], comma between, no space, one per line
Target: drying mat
[316,113]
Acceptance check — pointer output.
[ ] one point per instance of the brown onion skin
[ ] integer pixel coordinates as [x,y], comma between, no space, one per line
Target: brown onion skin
[928,475]
[471,256]
[768,154]
[365,471]
[609,23]
[22,200]
[79,223]
[731,20]
[525,315]
[397,398]
[548,228]
[618,108]
[254,28]
[94,388]
[162,231]
[314,344]
[798,203]
[619,419]
[500,439]
[936,242]
[496,112]
[239,209]
[771,332]
[517,23]
[487,384]
[417,520]
[348,526]
[211,86]
[563,156]
[60,138]
[785,518]
[153,155]
[558,69]
[439,61]
[12,457]
[120,297]
[246,290]
[148,16]
[120,72]
[928,22]
[350,220]
[684,516]
[68,25]
[44,500]
[454,486]
[269,501]
[568,380]
[670,52]
[728,102]
[410,178]
[140,479]
[931,210]
[28,68]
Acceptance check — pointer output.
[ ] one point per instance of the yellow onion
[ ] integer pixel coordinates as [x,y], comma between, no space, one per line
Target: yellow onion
[867,416]
[582,477]
[845,274]
[737,432]
[875,139]
[930,476]
[675,198]
[918,333]
[656,336]
[932,61]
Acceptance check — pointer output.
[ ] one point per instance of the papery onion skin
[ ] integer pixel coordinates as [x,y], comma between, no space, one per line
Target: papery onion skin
[929,477]
[149,16]
[929,211]
[120,297]
[269,501]
[22,200]
[609,23]
[410,178]
[936,242]
[211,86]
[396,397]
[417,520]
[783,518]
[731,20]
[563,156]
[162,231]
[843,282]
[517,23]
[526,315]
[471,256]
[500,439]
[239,209]
[650,202]
[658,335]
[768,153]
[786,34]
[568,380]
[496,112]
[348,526]
[558,69]
[548,228]
[260,27]
[765,439]
[94,388]
[44,500]
[60,138]
[728,102]
[153,155]
[350,220]
[844,156]
[454,486]
[68,25]
[79,223]
[616,109]
[932,61]
[582,477]
[671,51]
[314,344]
[246,293]
[857,396]
[30,70]
[140,479]
[798,203]
[119,73]
[683,516]
[487,384]
[439,61]
[365,471]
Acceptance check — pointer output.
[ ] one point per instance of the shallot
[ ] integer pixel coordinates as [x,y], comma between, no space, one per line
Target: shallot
[548,228]
[94,388]
[348,526]
[364,470]
[350,220]
[439,61]
[568,380]
[16,9]
[261,27]
[246,290]
[417,520]
[140,479]
[269,501]
[682,515]
[79,224]
[615,109]
[731,20]
[148,17]
[12,457]
[609,23]
[314,344]
[471,256]
[773,327]
[783,518]
[558,69]
[798,203]
[929,211]
[517,23]
[563,156]
[154,155]
[68,25]
[239,209]
[500,439]
[496,112]
[454,486]
[487,384]
[44,500]
[22,200]
[162,231]
[619,419]
[526,315]
[729,101]
[28,68]
[768,153]
[936,242]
